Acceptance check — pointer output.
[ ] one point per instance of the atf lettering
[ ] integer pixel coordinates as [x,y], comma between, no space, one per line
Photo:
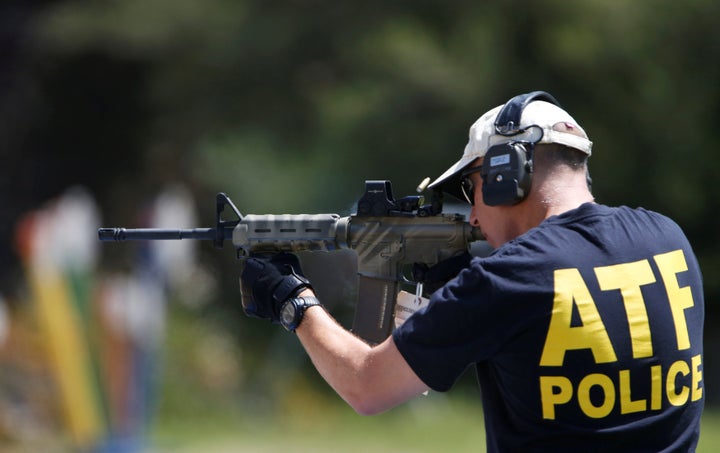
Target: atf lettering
[670,264]
[571,292]
[575,324]
[682,383]
[570,288]
[628,278]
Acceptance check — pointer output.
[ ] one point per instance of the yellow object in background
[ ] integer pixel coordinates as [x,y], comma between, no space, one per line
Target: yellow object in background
[68,354]
[61,327]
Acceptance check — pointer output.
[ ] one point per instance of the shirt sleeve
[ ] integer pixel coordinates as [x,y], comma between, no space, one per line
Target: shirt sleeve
[475,315]
[442,340]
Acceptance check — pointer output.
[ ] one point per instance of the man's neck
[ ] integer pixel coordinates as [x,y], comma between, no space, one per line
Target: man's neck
[553,197]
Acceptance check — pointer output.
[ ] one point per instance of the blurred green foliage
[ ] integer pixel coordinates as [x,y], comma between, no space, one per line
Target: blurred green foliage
[289,106]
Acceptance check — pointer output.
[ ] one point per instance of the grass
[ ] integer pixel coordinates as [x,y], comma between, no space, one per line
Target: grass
[424,426]
[431,424]
[710,431]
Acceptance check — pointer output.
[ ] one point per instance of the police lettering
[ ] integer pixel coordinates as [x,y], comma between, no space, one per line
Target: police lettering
[676,385]
[681,383]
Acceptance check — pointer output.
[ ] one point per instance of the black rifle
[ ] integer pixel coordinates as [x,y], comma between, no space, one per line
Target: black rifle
[385,233]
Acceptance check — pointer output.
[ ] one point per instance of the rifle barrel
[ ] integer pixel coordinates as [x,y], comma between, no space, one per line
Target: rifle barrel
[143,234]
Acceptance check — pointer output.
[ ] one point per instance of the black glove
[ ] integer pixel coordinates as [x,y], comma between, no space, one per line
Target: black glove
[265,284]
[436,276]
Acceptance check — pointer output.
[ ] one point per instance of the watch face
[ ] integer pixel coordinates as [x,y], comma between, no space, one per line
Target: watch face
[288,313]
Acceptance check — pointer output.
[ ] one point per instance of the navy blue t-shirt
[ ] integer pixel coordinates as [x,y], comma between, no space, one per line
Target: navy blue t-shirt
[586,333]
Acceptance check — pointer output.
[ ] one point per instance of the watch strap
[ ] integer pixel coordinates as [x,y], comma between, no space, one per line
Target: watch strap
[301,304]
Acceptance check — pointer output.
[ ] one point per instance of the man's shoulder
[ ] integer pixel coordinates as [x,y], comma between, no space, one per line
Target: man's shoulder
[580,234]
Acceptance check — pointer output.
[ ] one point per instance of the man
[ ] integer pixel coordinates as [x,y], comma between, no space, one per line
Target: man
[584,324]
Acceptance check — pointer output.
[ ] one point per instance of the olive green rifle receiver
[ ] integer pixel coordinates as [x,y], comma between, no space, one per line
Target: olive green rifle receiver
[386,234]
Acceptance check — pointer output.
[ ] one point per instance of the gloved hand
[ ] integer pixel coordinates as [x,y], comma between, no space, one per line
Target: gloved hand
[266,283]
[436,276]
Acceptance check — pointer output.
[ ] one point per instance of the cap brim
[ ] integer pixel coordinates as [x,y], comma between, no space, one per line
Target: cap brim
[449,182]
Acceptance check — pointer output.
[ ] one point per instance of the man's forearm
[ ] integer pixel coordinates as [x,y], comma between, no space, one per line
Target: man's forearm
[371,379]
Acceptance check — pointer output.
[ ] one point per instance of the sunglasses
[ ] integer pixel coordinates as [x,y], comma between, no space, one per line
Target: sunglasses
[467,186]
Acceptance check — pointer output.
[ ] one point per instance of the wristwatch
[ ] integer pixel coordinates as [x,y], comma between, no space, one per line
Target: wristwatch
[292,312]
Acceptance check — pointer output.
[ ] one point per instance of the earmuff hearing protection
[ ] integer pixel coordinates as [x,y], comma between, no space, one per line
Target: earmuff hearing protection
[508,167]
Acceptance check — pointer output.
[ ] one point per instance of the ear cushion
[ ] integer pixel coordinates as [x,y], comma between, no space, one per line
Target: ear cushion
[506,173]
